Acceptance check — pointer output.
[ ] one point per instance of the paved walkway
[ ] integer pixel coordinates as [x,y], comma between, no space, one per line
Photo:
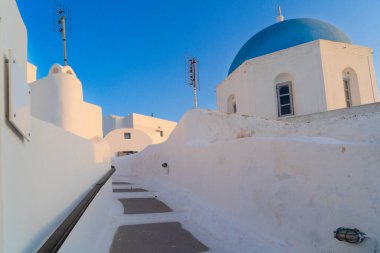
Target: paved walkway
[158,230]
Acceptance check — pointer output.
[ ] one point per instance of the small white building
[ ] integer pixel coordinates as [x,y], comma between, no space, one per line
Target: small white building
[297,67]
[58,99]
[135,132]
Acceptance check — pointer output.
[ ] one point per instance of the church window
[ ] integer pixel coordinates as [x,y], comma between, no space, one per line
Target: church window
[347,92]
[284,99]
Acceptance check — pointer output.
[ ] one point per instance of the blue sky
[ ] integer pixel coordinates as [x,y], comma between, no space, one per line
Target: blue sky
[130,55]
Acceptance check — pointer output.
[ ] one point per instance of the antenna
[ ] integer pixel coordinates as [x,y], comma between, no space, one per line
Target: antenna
[62,23]
[192,76]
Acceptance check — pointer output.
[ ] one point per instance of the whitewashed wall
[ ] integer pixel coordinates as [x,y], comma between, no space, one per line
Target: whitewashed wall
[250,184]
[338,56]
[146,124]
[31,73]
[149,125]
[41,180]
[139,140]
[58,99]
[85,235]
[9,39]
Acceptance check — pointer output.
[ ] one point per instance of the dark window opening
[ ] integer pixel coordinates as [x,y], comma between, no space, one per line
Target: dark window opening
[127,135]
[347,92]
[285,99]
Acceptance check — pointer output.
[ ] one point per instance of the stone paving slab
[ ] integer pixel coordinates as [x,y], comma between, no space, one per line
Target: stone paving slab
[167,237]
[130,190]
[120,183]
[144,205]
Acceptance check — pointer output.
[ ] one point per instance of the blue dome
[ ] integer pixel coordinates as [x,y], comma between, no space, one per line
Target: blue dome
[285,34]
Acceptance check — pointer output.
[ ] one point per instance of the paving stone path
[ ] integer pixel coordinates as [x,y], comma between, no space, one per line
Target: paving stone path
[162,237]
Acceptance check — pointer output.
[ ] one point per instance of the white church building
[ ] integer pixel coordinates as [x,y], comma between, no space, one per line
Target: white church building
[297,67]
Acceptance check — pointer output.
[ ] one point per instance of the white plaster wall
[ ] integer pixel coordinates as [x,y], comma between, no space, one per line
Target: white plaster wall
[10,21]
[273,193]
[146,124]
[126,122]
[49,174]
[31,73]
[90,126]
[43,179]
[112,122]
[58,99]
[235,84]
[338,56]
[139,140]
[256,88]
[86,233]
[108,124]
[149,125]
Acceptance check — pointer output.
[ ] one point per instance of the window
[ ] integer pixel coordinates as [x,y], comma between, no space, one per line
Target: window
[231,104]
[284,99]
[127,135]
[347,92]
[160,133]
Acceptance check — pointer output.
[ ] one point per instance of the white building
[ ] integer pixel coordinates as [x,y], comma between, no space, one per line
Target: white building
[58,99]
[297,67]
[135,132]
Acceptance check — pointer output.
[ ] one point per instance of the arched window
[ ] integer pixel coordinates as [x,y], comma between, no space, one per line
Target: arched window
[231,104]
[350,87]
[347,91]
[284,93]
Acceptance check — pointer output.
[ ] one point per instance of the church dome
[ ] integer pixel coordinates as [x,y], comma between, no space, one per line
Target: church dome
[286,34]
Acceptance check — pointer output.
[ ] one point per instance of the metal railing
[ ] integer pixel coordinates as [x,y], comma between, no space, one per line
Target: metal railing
[55,241]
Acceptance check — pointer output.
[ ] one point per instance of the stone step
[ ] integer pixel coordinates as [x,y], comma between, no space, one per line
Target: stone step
[143,205]
[129,190]
[120,183]
[168,237]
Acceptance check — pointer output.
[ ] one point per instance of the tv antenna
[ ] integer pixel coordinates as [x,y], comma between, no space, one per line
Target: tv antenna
[192,76]
[62,23]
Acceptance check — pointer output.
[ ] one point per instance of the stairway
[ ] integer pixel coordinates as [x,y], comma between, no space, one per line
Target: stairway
[152,226]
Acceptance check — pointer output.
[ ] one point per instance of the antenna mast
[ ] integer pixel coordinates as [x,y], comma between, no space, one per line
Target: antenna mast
[192,73]
[61,21]
[62,30]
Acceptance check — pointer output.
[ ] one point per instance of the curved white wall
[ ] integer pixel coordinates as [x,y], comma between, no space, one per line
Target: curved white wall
[58,99]
[282,186]
[139,140]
